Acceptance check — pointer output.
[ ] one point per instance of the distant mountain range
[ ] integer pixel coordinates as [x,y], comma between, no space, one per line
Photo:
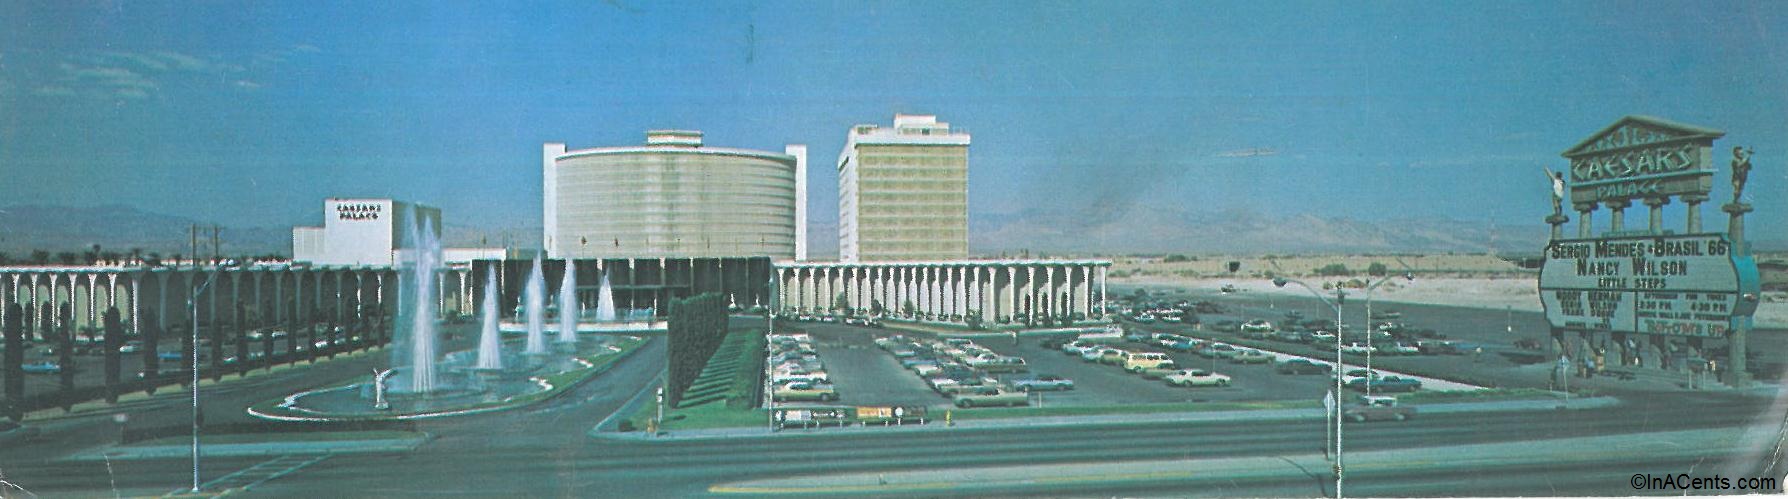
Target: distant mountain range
[24,228]
[1241,232]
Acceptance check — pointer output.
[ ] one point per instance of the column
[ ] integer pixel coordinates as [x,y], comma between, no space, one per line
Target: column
[1585,226]
[1617,218]
[1103,298]
[1657,213]
[1694,201]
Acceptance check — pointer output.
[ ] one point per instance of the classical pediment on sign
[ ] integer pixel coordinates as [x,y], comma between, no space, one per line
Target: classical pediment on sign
[1636,131]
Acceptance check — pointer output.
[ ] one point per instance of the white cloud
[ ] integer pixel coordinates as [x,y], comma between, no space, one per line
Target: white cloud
[247,84]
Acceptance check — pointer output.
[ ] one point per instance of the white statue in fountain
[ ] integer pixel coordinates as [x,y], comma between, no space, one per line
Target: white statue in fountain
[379,376]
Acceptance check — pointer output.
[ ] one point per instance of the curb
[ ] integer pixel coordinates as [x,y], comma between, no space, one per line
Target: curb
[251,449]
[462,412]
[1103,420]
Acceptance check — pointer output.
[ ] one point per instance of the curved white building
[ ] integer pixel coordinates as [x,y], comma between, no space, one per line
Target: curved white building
[674,198]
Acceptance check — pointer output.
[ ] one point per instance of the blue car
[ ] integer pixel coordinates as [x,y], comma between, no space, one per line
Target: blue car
[168,355]
[45,367]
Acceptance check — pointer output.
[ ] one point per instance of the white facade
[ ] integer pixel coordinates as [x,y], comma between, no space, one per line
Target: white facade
[673,198]
[358,232]
[903,192]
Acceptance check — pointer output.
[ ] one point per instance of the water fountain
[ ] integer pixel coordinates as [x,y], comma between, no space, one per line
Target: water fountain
[605,302]
[534,296]
[413,352]
[568,306]
[490,341]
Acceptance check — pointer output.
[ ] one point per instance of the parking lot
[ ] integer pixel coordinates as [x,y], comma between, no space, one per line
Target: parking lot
[865,374]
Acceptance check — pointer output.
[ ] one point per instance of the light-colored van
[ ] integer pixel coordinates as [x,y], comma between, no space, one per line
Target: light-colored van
[1139,361]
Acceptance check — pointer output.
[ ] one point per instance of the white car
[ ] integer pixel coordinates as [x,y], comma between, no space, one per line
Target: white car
[1257,326]
[1196,377]
[1322,337]
[1093,354]
[131,347]
[1398,349]
[1078,347]
[1357,349]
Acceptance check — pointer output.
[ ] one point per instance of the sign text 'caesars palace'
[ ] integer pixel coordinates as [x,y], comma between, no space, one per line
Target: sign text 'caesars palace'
[358,211]
[1678,285]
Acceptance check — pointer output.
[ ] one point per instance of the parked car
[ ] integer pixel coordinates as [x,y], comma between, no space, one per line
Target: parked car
[1357,349]
[1257,326]
[1251,357]
[1377,409]
[1398,349]
[1197,377]
[991,397]
[1112,357]
[1387,384]
[1000,364]
[1160,371]
[1438,347]
[1226,326]
[1077,347]
[132,346]
[1217,351]
[1094,354]
[1136,362]
[1042,382]
[45,367]
[1301,366]
[1351,375]
[804,391]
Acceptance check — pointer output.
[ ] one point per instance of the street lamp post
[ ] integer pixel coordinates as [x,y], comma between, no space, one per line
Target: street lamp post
[1369,328]
[1340,369]
[193,304]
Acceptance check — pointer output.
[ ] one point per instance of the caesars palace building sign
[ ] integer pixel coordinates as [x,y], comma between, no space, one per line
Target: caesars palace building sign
[1648,280]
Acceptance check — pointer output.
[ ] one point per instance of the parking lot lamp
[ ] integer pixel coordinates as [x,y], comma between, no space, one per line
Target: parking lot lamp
[193,304]
[1408,276]
[1340,369]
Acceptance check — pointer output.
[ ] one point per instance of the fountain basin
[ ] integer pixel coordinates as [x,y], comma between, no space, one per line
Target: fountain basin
[465,389]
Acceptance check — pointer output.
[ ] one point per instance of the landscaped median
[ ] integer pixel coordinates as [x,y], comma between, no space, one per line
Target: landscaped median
[262,444]
[723,394]
[719,417]
[553,384]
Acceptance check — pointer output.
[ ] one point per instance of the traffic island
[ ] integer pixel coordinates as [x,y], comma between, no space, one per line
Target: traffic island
[355,401]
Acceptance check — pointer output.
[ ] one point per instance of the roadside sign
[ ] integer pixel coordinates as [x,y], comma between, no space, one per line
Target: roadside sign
[1328,401]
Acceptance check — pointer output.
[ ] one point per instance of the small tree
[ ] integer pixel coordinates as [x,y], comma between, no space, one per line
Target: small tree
[973,319]
[907,308]
[840,302]
[1333,269]
[1376,269]
[1174,259]
[875,307]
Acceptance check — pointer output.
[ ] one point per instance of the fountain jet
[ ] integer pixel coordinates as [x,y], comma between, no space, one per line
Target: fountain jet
[534,295]
[568,306]
[490,342]
[605,302]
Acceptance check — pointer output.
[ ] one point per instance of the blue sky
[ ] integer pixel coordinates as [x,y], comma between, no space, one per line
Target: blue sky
[250,114]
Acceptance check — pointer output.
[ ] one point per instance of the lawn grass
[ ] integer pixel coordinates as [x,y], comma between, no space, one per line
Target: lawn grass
[1485,395]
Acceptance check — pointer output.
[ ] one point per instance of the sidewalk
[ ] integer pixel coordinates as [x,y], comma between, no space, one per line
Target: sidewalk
[937,423]
[1041,478]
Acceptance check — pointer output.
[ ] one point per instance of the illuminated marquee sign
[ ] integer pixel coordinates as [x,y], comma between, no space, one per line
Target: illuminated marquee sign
[1686,285]
[1639,157]
[358,211]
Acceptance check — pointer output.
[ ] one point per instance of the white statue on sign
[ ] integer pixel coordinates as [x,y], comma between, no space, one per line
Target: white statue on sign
[1558,190]
[379,376]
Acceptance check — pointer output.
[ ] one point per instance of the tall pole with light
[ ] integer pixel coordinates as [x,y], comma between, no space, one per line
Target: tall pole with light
[1340,369]
[1370,330]
[193,304]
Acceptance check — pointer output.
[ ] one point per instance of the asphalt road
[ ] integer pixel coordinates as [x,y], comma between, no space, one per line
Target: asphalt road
[544,450]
